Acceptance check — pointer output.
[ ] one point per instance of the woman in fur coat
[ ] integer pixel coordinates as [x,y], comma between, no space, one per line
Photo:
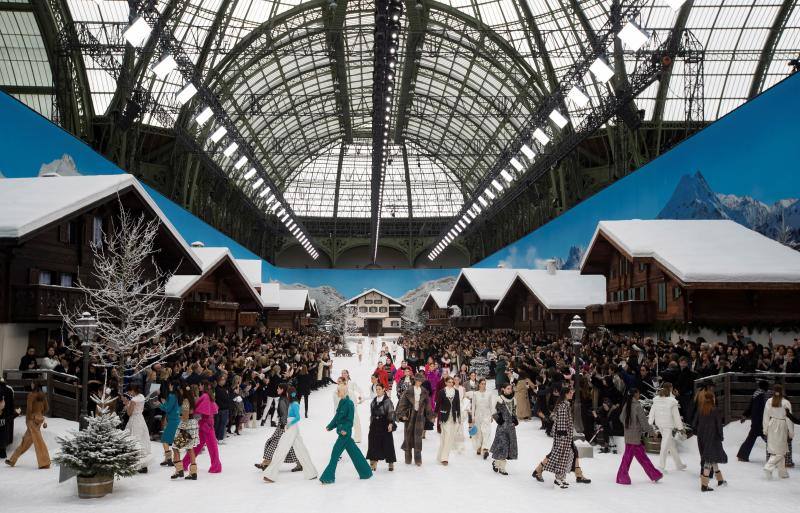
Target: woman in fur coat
[635,423]
[779,430]
[481,411]
[504,447]
[36,406]
[448,404]
[381,428]
[708,428]
[561,456]
[414,409]
[665,416]
[522,399]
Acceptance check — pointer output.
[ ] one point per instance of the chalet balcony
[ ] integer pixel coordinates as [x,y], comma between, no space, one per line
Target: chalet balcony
[211,311]
[472,321]
[38,303]
[621,313]
[248,319]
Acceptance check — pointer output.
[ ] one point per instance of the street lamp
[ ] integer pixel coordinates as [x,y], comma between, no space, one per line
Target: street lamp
[86,327]
[576,329]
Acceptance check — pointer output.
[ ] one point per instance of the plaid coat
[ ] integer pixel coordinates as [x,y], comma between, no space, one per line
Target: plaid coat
[561,456]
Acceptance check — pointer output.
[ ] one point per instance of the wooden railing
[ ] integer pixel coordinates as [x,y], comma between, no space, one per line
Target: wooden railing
[211,311]
[621,313]
[733,390]
[34,303]
[471,321]
[63,390]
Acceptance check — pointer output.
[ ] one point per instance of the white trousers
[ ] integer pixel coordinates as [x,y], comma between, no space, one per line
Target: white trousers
[668,447]
[356,427]
[447,439]
[483,438]
[776,462]
[291,438]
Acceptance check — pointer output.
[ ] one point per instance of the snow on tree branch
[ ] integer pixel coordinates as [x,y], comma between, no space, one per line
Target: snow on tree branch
[126,294]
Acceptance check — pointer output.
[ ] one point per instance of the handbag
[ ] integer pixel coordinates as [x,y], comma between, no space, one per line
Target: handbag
[473,431]
[428,425]
[182,438]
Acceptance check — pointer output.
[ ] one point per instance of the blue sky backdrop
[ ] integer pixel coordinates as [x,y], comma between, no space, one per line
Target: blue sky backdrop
[752,151]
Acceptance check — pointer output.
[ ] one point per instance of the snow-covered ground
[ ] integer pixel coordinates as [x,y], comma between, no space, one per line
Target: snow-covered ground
[468,483]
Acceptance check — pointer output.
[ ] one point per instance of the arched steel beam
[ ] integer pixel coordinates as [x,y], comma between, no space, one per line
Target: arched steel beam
[770,44]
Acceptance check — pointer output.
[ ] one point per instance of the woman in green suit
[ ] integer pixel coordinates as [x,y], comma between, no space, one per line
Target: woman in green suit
[343,424]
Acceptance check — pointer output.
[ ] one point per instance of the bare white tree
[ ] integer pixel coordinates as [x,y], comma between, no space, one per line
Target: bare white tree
[127,298]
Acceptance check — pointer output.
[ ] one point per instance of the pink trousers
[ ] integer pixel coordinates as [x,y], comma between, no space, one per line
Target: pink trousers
[638,452]
[207,439]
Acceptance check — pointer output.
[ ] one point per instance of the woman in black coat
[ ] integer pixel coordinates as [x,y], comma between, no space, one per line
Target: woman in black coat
[381,426]
[708,428]
[305,381]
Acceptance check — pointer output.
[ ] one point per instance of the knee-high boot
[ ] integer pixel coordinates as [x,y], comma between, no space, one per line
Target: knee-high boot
[178,470]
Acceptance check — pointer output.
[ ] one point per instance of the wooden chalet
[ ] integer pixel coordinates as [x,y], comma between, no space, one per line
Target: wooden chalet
[374,313]
[435,306]
[544,301]
[702,272]
[287,309]
[47,226]
[476,293]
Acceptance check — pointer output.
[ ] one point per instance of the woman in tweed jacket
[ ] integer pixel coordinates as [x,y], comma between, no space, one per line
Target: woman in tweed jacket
[634,420]
[561,456]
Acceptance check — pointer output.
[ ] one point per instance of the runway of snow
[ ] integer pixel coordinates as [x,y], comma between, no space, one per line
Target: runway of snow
[467,483]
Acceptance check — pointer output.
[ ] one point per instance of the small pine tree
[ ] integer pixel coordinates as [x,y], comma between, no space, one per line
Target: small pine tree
[101,449]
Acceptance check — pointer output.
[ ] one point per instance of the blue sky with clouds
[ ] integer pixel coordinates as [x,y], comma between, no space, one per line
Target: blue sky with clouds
[752,151]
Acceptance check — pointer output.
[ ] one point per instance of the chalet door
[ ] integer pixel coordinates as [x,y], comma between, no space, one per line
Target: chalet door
[373,327]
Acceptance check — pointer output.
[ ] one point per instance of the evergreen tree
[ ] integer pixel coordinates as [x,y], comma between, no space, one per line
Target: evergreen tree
[101,449]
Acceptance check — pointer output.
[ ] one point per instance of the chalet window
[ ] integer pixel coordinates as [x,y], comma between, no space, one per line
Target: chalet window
[45,278]
[373,309]
[395,324]
[642,267]
[631,294]
[367,301]
[378,301]
[524,312]
[676,292]
[662,297]
[72,232]
[383,309]
[362,309]
[97,231]
[67,280]
[643,293]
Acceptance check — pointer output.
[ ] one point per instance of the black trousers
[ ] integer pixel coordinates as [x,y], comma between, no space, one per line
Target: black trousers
[754,434]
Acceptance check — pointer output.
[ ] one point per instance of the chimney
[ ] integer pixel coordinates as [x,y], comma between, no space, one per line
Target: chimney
[551,266]
[198,244]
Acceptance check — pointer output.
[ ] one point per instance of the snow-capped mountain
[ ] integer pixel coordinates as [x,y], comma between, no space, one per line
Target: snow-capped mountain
[328,298]
[65,166]
[693,198]
[574,257]
[414,299]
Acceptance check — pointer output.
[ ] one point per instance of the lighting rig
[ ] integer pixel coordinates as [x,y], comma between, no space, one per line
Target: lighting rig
[224,134]
[544,142]
[387,36]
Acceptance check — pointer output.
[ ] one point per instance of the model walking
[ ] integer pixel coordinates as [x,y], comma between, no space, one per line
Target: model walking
[291,441]
[172,410]
[381,428]
[354,393]
[271,445]
[560,459]
[708,428]
[504,447]
[779,430]
[206,408]
[481,411]
[137,426]
[448,404]
[343,424]
[755,412]
[635,423]
[36,406]
[414,409]
[664,415]
[187,436]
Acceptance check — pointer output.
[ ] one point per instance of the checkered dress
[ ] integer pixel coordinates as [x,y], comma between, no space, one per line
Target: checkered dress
[272,444]
[561,456]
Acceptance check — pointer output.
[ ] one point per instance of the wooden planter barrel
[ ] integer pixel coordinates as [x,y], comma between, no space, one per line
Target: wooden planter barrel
[95,487]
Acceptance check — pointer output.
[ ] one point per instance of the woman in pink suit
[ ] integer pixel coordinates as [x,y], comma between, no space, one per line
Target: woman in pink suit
[206,408]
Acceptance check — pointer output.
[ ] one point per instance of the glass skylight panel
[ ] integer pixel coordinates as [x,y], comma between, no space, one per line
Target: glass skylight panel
[137,32]
[558,118]
[540,136]
[675,4]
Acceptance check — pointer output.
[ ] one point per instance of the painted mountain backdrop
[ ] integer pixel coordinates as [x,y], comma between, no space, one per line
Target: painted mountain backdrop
[328,298]
[693,198]
[415,298]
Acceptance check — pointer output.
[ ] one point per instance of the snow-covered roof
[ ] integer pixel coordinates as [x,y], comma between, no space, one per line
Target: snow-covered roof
[703,251]
[384,294]
[438,297]
[293,300]
[270,295]
[252,269]
[178,285]
[489,284]
[50,198]
[562,290]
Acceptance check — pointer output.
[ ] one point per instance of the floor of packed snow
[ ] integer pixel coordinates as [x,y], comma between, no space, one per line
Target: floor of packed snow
[467,483]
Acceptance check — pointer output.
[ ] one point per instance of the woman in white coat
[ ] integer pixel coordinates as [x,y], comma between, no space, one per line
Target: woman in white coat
[291,440]
[480,416]
[137,426]
[779,431]
[664,414]
[355,395]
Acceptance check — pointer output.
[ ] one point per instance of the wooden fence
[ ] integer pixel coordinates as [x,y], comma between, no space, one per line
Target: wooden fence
[63,391]
[733,390]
